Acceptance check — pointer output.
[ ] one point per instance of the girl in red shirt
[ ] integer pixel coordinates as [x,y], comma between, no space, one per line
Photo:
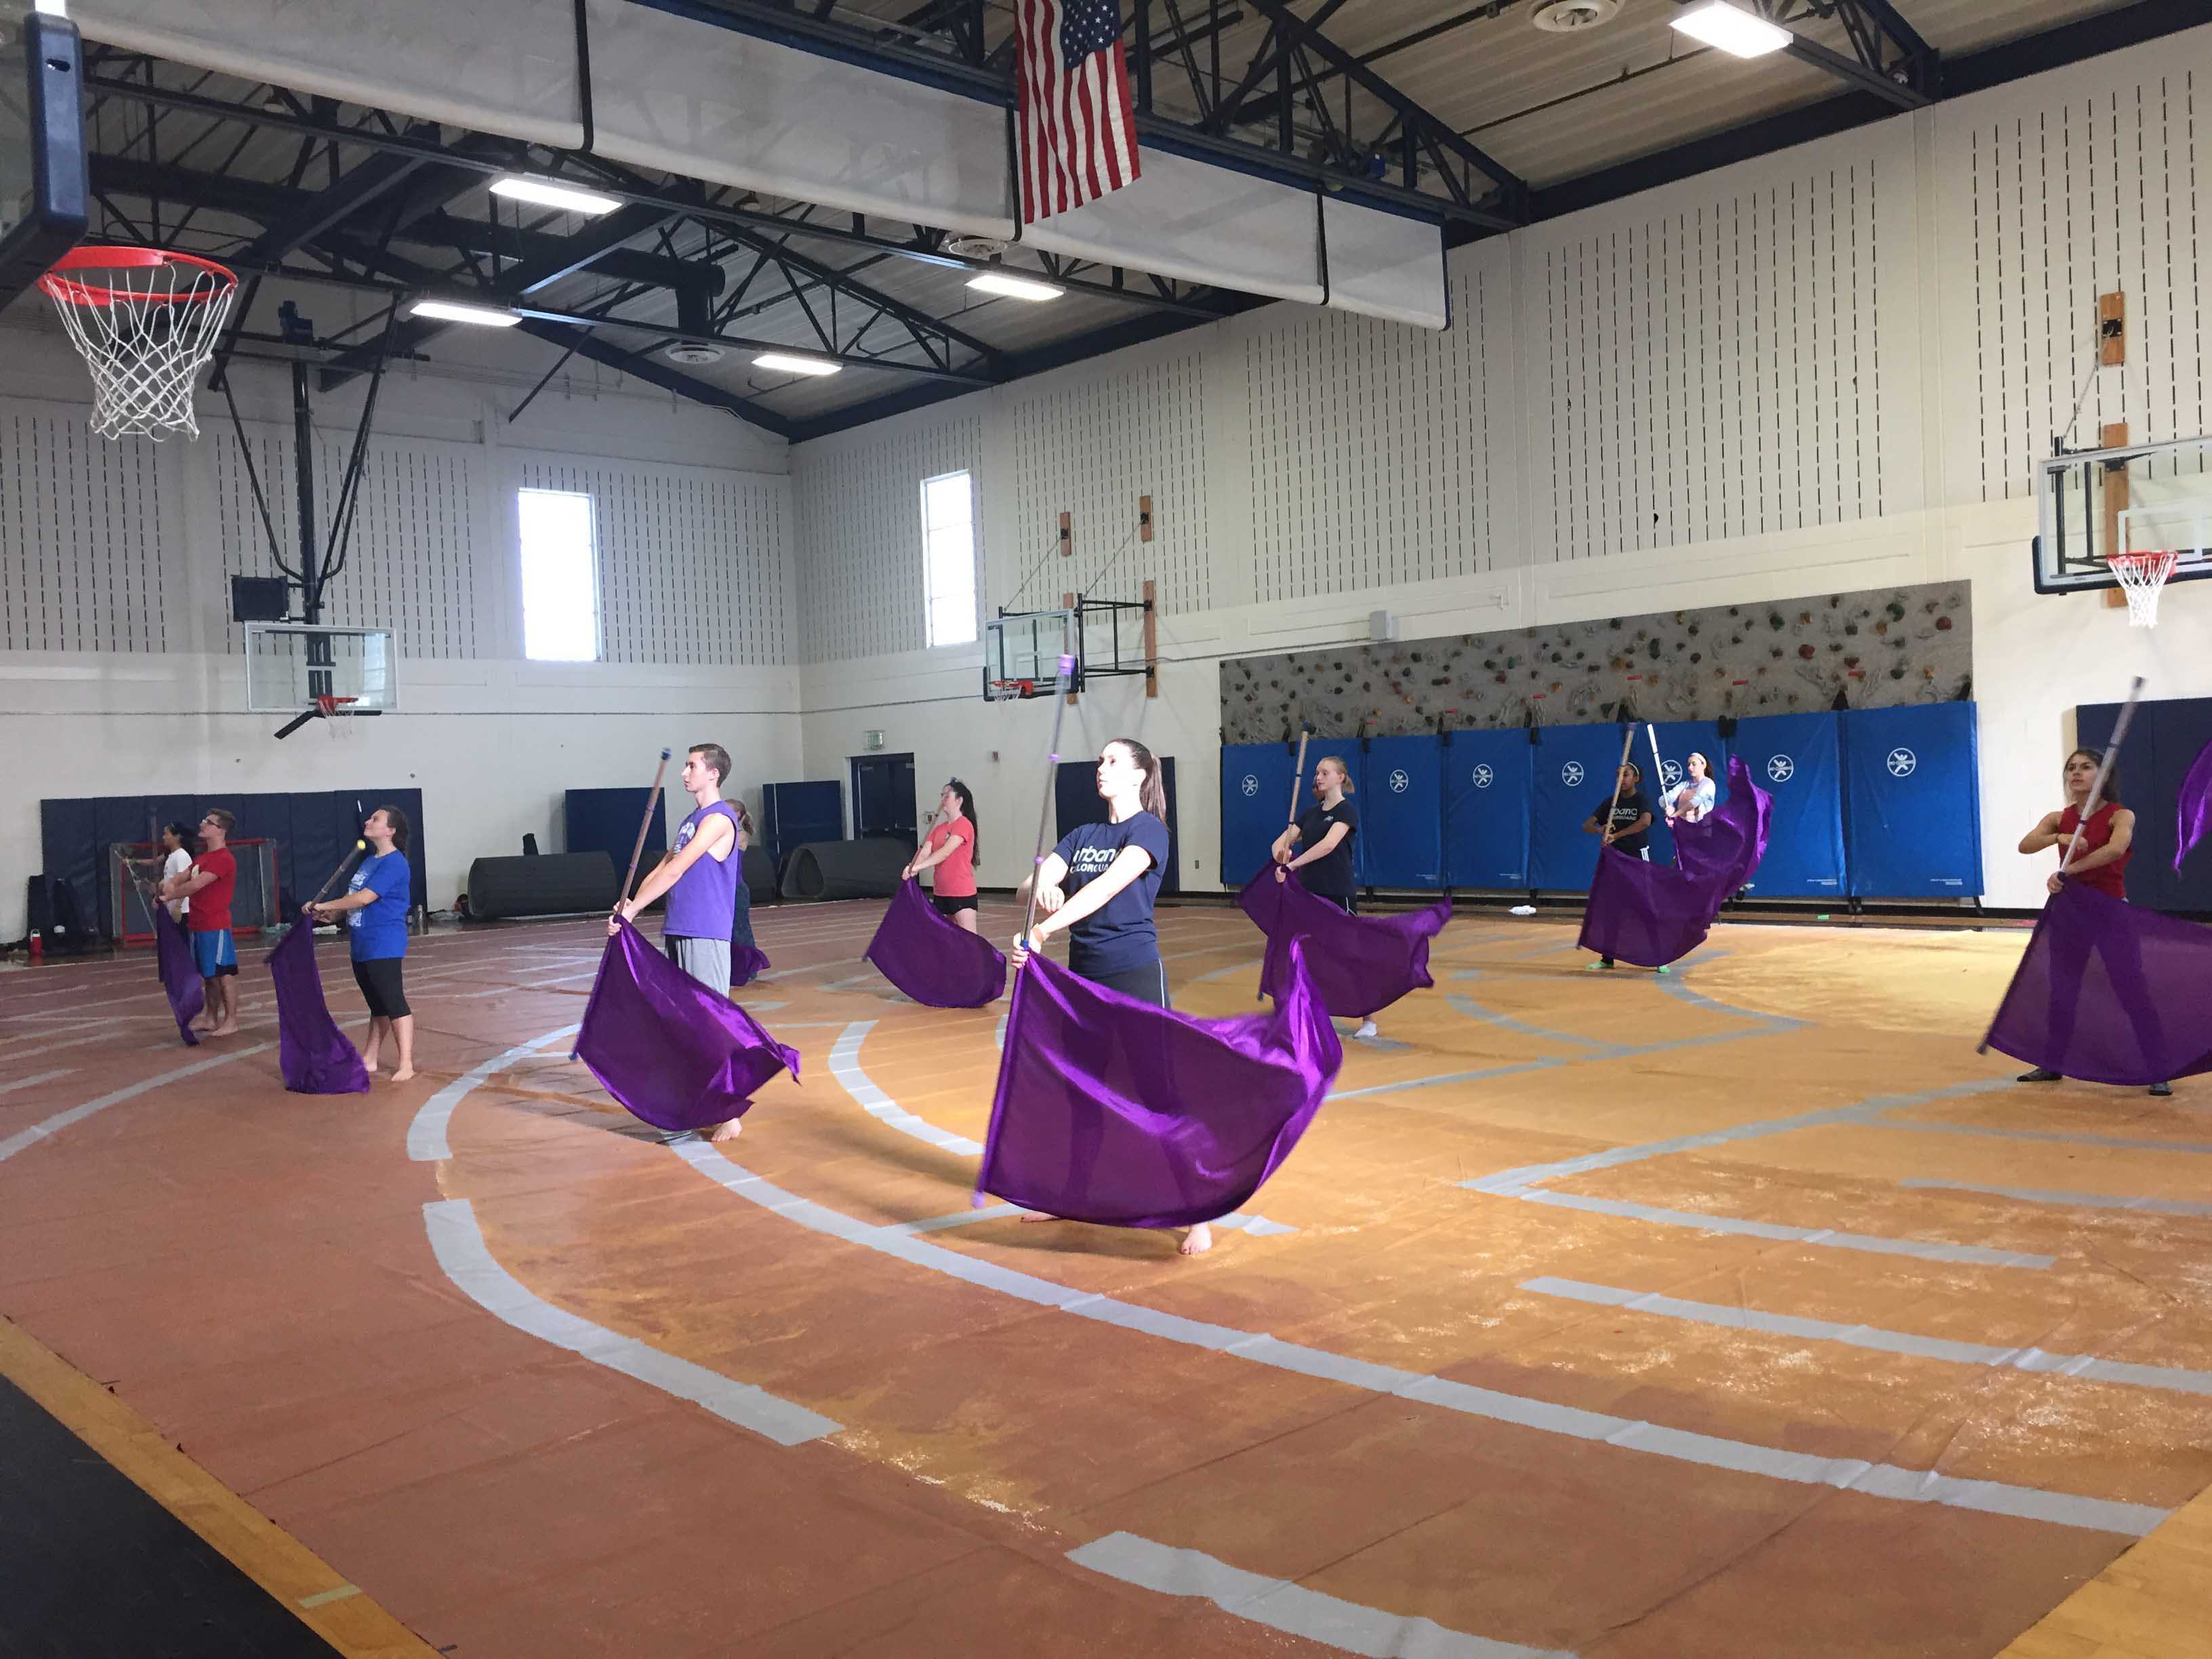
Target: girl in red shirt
[950,850]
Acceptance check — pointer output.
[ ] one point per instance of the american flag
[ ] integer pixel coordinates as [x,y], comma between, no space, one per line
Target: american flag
[1078,127]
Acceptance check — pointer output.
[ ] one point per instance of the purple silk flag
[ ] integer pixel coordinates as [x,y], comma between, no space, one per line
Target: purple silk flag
[1359,964]
[1113,1111]
[1652,915]
[180,974]
[2194,819]
[312,1053]
[667,1047]
[932,958]
[2109,992]
[747,964]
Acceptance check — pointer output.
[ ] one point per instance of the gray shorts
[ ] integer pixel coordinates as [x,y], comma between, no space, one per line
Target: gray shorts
[706,960]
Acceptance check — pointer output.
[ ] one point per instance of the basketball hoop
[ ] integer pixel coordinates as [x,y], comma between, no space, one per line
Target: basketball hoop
[332,708]
[146,323]
[1011,690]
[2142,577]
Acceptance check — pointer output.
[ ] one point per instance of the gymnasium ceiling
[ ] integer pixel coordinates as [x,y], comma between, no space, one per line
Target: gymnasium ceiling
[316,195]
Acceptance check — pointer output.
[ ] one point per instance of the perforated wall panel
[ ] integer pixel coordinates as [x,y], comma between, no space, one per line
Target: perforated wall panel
[2058,201]
[411,562]
[858,502]
[87,562]
[1372,445]
[1091,450]
[692,564]
[1710,371]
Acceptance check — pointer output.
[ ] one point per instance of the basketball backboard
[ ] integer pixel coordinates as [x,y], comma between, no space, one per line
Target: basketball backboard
[2138,498]
[44,194]
[1022,653]
[289,664]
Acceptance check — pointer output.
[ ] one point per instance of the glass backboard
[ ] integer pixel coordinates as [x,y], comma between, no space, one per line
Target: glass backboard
[2138,498]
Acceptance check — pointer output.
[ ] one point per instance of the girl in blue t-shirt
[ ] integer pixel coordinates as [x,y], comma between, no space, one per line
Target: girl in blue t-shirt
[375,911]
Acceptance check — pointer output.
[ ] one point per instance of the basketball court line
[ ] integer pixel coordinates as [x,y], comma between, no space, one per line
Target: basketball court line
[2075,1201]
[1824,1237]
[25,1139]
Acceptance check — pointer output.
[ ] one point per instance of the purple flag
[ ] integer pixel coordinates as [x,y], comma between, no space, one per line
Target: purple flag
[312,1053]
[1726,846]
[933,959]
[2194,820]
[1359,964]
[667,1047]
[2109,992]
[1113,1111]
[1652,915]
[747,964]
[180,974]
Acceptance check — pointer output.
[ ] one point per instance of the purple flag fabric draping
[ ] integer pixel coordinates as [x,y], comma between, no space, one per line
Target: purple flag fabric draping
[1359,964]
[312,1053]
[180,974]
[2109,992]
[747,964]
[1114,1111]
[932,958]
[1652,915]
[667,1047]
[2195,818]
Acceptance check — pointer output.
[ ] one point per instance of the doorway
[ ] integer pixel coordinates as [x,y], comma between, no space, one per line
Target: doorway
[883,798]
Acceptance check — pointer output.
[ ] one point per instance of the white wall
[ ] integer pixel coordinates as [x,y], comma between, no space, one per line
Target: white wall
[1824,370]
[120,672]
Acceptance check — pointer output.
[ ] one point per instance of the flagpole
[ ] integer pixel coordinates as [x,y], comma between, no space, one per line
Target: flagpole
[1627,743]
[2105,768]
[1062,682]
[645,824]
[1298,773]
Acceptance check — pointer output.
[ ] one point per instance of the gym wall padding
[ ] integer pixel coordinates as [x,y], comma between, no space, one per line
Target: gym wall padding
[1798,760]
[792,815]
[2162,744]
[1676,739]
[1488,777]
[606,820]
[1255,794]
[846,869]
[1573,777]
[1912,802]
[1400,803]
[549,884]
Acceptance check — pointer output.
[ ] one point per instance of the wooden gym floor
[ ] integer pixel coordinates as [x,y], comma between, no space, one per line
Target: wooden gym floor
[1741,1312]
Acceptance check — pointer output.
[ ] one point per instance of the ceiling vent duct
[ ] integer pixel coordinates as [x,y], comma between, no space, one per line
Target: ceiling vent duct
[1568,17]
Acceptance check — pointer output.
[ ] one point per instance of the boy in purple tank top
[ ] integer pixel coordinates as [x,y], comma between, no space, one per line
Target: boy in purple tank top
[699,875]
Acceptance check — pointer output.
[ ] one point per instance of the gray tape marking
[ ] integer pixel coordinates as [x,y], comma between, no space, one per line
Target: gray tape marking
[517,987]
[1473,1010]
[1279,1604]
[1256,1226]
[459,1244]
[2178,1378]
[1633,1052]
[2077,1200]
[1826,1237]
[426,1135]
[1447,1076]
[1880,1480]
[1230,972]
[23,1139]
[845,1066]
[34,1079]
[1672,985]
[2123,1143]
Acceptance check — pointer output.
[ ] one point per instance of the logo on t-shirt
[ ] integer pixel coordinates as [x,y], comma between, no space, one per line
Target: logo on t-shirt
[1092,860]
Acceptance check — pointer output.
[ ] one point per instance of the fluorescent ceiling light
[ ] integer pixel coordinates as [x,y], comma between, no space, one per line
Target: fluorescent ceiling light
[545,193]
[1006,284]
[447,311]
[791,365]
[1731,28]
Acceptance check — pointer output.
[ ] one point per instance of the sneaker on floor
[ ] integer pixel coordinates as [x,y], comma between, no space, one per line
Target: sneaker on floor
[2161,1090]
[1366,1029]
[2041,1074]
[1662,970]
[1599,967]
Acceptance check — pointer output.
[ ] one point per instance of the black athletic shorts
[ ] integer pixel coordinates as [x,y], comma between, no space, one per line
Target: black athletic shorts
[1344,901]
[379,979]
[947,906]
[1147,984]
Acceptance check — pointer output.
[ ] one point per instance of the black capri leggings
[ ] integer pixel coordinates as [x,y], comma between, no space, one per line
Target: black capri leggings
[379,979]
[1147,984]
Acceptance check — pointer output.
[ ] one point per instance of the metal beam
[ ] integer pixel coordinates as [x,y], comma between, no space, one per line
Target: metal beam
[654,372]
[359,187]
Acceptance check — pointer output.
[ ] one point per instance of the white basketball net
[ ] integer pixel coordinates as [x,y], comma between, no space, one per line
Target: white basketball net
[2142,578]
[145,332]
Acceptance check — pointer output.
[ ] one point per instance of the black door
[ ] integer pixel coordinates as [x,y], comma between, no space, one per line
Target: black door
[883,797]
[1076,800]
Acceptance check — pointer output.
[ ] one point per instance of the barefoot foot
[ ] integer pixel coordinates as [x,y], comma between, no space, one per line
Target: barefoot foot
[1039,1216]
[402,1074]
[729,1131]
[1197,1240]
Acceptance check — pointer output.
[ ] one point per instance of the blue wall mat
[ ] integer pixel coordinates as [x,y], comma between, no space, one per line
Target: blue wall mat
[1487,778]
[2162,744]
[1676,739]
[1573,768]
[795,814]
[1912,802]
[1255,794]
[606,820]
[1401,803]
[1798,760]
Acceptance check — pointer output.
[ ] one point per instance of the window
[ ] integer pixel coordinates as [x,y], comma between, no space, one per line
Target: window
[560,576]
[948,529]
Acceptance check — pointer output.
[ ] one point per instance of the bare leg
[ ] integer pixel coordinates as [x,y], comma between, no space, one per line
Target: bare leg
[966,919]
[377,1026]
[1197,1240]
[403,1029]
[210,1007]
[729,1131]
[1037,1215]
[225,992]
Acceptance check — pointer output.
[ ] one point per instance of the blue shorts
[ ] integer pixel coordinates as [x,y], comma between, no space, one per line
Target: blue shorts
[213,953]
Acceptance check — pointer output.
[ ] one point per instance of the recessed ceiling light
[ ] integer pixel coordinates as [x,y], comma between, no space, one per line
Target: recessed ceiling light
[1731,28]
[545,193]
[447,311]
[1009,286]
[791,365]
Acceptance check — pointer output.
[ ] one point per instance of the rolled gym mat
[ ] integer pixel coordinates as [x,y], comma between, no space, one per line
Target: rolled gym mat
[846,869]
[548,885]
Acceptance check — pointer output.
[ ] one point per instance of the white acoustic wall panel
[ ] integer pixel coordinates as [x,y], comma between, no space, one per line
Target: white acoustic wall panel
[90,553]
[413,561]
[1373,444]
[1706,362]
[858,502]
[2050,193]
[694,565]
[1092,446]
